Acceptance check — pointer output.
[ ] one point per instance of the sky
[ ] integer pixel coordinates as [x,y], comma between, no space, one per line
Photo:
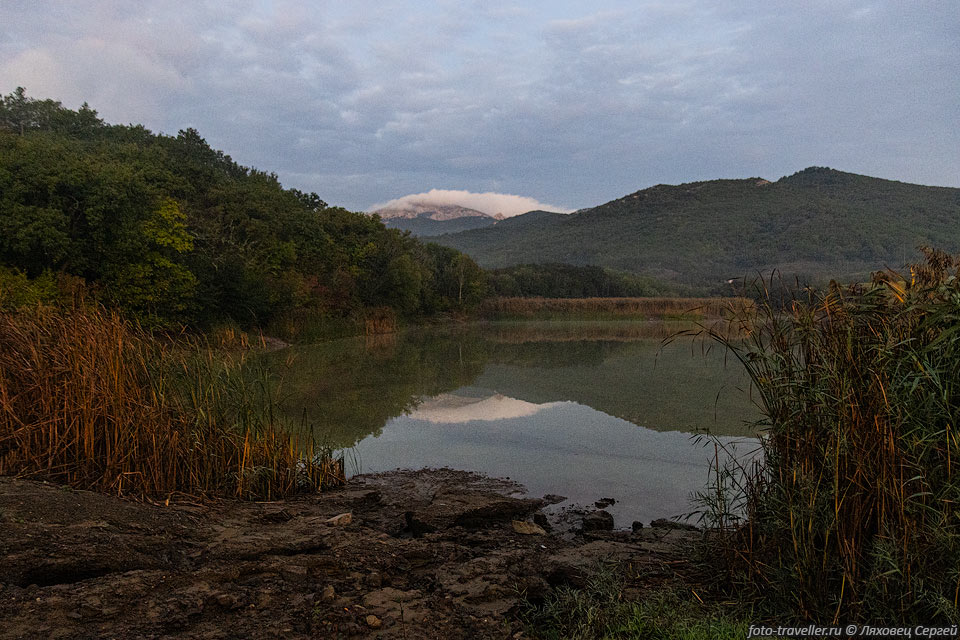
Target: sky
[566,104]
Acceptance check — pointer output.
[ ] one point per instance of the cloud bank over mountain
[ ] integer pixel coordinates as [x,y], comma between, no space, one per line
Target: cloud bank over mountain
[490,203]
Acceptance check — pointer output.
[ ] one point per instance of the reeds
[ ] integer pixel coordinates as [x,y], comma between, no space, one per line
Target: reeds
[89,400]
[610,308]
[853,512]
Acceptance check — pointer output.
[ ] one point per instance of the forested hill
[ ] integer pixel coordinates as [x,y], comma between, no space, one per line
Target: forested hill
[818,223]
[173,231]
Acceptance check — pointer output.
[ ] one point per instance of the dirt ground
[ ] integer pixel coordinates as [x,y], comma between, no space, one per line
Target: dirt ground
[425,554]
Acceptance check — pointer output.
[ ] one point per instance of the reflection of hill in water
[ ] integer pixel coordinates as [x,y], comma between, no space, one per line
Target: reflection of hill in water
[348,389]
[675,388]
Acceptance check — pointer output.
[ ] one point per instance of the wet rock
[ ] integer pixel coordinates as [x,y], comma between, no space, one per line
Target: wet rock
[598,521]
[340,520]
[528,528]
[496,511]
[636,526]
[603,503]
[540,518]
[552,498]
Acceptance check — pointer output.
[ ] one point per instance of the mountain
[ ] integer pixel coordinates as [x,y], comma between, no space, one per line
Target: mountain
[426,220]
[817,224]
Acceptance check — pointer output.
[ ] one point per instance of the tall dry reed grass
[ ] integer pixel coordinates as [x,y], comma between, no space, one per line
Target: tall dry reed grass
[89,400]
[853,512]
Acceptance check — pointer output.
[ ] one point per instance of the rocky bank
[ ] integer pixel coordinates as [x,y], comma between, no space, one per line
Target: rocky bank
[425,554]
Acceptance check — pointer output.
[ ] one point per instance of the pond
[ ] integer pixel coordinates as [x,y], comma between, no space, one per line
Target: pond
[583,410]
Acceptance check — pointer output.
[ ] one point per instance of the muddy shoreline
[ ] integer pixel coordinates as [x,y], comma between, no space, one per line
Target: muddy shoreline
[407,554]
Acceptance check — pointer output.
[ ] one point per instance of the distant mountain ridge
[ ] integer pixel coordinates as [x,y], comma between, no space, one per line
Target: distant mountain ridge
[422,219]
[818,223]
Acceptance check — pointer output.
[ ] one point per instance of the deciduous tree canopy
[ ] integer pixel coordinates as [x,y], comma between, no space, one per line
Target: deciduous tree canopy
[174,231]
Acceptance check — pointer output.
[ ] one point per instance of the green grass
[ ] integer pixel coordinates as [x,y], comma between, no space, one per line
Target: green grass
[598,611]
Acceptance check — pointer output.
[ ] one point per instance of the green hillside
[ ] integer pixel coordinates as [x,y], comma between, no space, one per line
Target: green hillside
[424,227]
[818,223]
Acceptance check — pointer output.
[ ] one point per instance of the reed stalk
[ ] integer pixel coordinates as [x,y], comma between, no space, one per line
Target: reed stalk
[853,512]
[90,400]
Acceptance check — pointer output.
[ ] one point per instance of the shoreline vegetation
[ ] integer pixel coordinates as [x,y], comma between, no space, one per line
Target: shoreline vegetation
[851,513]
[654,308]
[90,400]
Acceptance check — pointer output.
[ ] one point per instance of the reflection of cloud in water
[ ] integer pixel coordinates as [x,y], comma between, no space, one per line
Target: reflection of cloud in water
[454,409]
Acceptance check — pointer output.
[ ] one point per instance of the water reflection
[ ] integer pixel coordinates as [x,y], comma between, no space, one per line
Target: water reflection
[447,408]
[584,410]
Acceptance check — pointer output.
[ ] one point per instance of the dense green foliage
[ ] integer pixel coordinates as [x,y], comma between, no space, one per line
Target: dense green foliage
[851,512]
[570,281]
[817,224]
[173,231]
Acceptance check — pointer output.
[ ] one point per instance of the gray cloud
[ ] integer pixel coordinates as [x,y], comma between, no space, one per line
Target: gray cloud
[364,101]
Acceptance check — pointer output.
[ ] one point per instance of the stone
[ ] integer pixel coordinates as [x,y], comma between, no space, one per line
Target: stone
[340,520]
[636,526]
[528,528]
[540,518]
[329,594]
[603,503]
[374,622]
[598,521]
[227,600]
[293,573]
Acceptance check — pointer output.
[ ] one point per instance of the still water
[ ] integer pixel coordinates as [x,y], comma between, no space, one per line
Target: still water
[583,410]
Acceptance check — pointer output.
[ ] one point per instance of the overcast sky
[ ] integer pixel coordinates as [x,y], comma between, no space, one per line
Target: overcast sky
[569,103]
